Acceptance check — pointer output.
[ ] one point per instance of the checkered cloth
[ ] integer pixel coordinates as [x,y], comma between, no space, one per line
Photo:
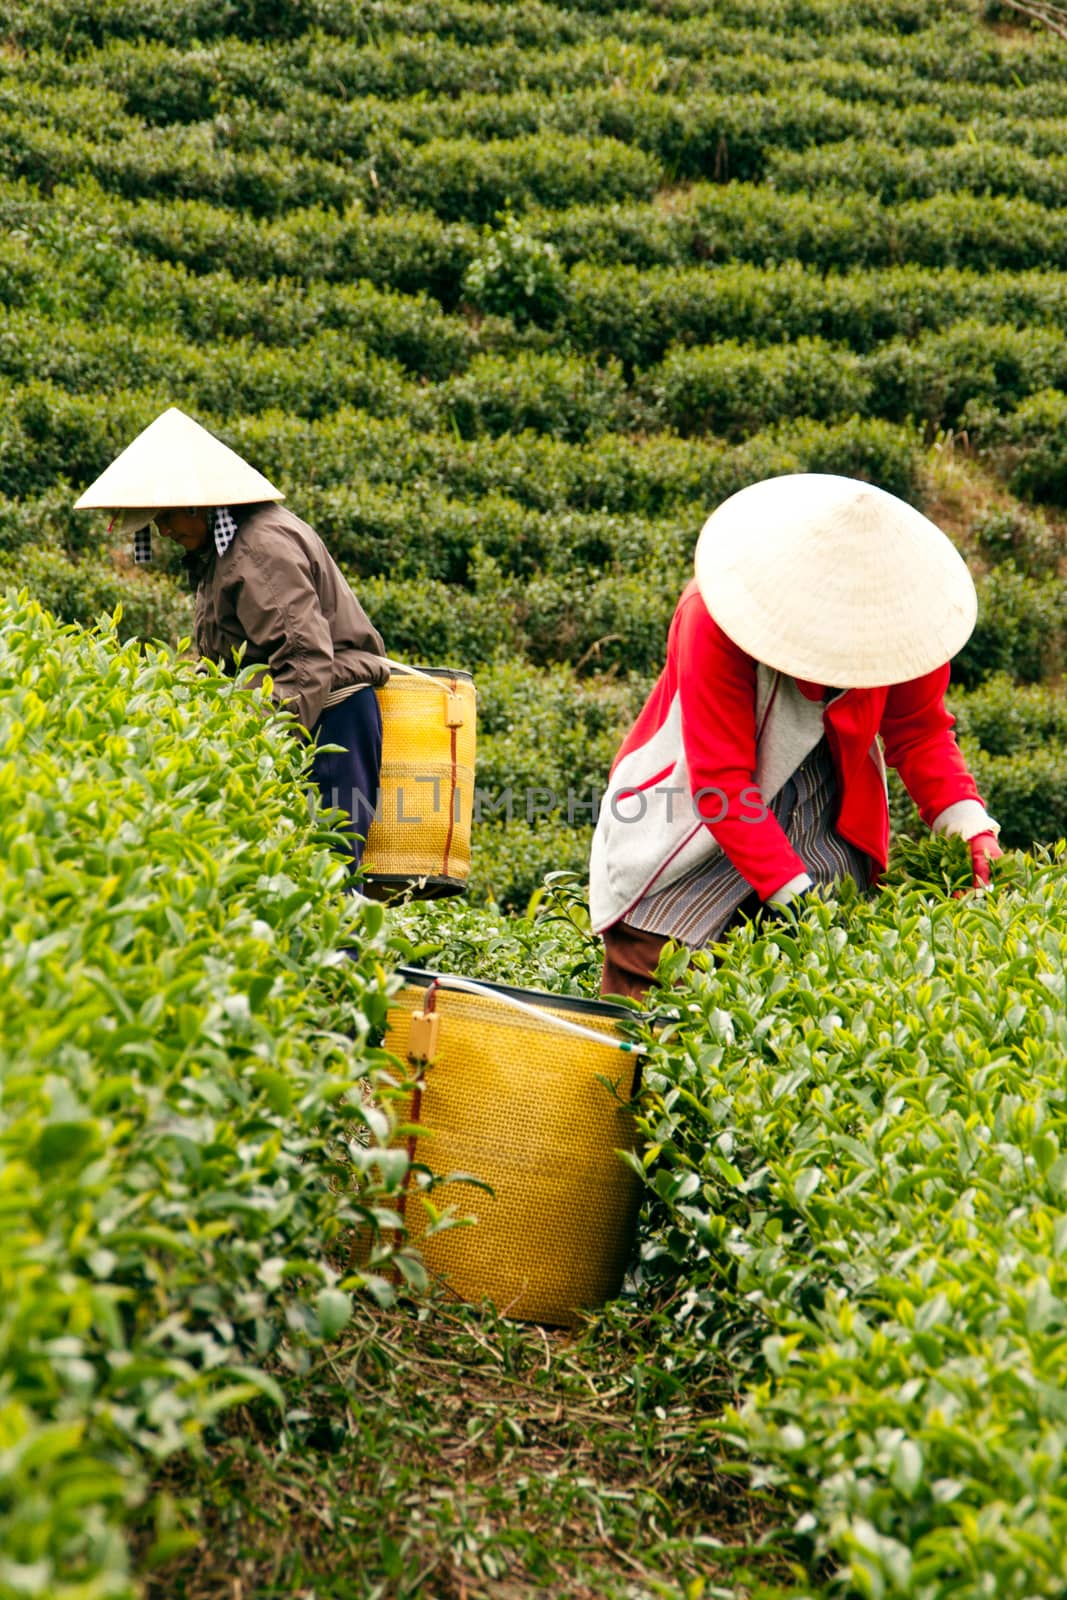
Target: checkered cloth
[223,527]
[221,521]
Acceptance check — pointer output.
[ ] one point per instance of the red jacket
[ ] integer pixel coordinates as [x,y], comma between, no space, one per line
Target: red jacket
[715,684]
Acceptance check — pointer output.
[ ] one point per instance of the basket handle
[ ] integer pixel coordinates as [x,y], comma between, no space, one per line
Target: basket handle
[451,980]
[402,666]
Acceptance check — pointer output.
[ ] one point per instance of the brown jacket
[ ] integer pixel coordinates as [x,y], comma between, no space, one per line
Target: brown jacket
[278,591]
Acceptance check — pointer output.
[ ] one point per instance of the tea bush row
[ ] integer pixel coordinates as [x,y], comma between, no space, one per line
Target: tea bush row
[751,222]
[1026,791]
[617,257]
[175,163]
[405,251]
[456,179]
[1006,718]
[619,621]
[426,533]
[473,178]
[638,315]
[410,329]
[874,167]
[47,434]
[511,860]
[164,83]
[548,738]
[280,266]
[730,390]
[309,380]
[1021,629]
[425,48]
[1021,535]
[80,588]
[185,1046]
[1032,445]
[854,1133]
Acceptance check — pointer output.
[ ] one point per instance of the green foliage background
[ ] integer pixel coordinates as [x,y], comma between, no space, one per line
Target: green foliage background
[507,298]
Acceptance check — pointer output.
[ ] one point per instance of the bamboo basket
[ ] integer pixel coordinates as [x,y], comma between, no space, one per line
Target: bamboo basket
[518,1095]
[420,839]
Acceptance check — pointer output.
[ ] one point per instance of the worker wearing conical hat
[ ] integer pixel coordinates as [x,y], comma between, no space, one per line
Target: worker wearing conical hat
[811,647]
[266,586]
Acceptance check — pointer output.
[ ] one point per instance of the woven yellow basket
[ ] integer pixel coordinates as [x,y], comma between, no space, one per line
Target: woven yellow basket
[421,835]
[519,1102]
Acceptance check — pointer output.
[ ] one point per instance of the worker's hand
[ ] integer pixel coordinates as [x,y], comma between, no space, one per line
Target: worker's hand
[787,907]
[984,849]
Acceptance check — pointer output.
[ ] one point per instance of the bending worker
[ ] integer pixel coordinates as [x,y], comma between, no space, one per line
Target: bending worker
[263,581]
[812,647]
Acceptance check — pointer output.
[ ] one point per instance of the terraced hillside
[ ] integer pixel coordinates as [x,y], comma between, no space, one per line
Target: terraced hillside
[507,297]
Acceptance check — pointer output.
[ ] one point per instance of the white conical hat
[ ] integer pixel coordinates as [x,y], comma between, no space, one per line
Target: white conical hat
[174,462]
[835,581]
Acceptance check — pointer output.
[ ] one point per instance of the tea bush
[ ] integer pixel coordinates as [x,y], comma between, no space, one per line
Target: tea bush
[464,180]
[854,1148]
[406,251]
[47,519]
[732,389]
[402,532]
[426,622]
[79,588]
[639,315]
[895,175]
[516,274]
[511,859]
[409,329]
[1026,791]
[1021,629]
[545,945]
[1005,718]
[551,735]
[1037,441]
[942,377]
[561,395]
[314,378]
[1020,536]
[184,1044]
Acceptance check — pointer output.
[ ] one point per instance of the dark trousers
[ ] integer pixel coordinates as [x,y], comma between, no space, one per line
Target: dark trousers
[631,954]
[630,957]
[349,777]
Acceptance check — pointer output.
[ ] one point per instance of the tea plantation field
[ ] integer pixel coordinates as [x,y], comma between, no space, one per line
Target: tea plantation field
[506,298]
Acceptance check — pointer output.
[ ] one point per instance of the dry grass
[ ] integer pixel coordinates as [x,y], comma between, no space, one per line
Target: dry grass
[958,490]
[454,1456]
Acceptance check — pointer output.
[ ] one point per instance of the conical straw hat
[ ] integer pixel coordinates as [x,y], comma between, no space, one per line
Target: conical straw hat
[835,581]
[174,462]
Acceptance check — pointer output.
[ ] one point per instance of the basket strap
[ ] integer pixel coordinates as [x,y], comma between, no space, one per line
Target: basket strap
[451,980]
